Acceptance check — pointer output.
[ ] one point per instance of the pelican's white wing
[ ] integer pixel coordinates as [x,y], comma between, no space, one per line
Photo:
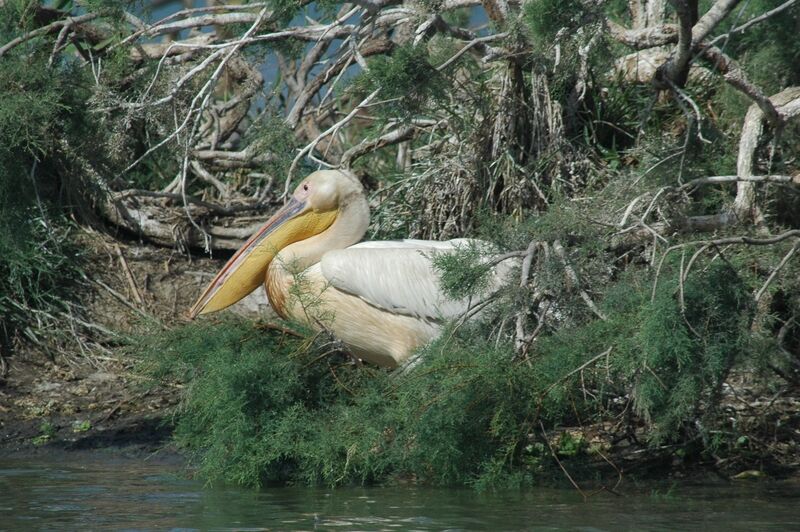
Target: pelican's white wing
[398,276]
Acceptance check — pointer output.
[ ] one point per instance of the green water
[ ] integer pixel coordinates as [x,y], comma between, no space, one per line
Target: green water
[96,492]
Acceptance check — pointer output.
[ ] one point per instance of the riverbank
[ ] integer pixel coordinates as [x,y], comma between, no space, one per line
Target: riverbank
[47,409]
[46,406]
[100,402]
[76,394]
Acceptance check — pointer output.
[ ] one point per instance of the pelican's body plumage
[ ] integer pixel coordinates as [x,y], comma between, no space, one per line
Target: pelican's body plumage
[382,299]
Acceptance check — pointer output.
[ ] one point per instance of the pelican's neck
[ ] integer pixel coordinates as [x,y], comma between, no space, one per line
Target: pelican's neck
[348,228]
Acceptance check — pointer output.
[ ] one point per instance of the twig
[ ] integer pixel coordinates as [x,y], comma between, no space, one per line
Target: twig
[628,211]
[129,276]
[468,46]
[653,373]
[331,130]
[122,299]
[280,328]
[776,270]
[682,275]
[336,377]
[120,404]
[680,94]
[753,21]
[68,22]
[720,179]
[619,474]
[395,136]
[743,240]
[558,248]
[59,44]
[700,251]
[576,370]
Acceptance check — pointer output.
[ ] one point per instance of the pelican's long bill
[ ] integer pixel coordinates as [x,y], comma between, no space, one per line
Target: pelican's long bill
[247,269]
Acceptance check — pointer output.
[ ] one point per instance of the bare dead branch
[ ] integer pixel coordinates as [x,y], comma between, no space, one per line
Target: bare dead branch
[373,6]
[755,20]
[787,103]
[251,157]
[217,19]
[777,269]
[643,38]
[477,42]
[330,131]
[712,18]
[521,341]
[559,249]
[376,47]
[53,27]
[369,145]
[129,276]
[720,179]
[676,70]
[184,13]
[168,49]
[209,178]
[170,226]
[736,77]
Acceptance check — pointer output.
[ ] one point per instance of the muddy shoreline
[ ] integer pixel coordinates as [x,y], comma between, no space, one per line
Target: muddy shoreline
[46,408]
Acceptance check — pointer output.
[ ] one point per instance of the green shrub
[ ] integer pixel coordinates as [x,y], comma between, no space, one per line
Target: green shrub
[38,265]
[407,81]
[547,17]
[687,351]
[261,407]
[39,268]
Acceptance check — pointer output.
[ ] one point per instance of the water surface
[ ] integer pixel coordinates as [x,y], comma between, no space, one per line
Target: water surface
[94,491]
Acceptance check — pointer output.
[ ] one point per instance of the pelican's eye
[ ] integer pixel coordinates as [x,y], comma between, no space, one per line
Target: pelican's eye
[305,187]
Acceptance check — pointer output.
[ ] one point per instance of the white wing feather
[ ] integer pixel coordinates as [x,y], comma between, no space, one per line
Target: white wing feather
[398,276]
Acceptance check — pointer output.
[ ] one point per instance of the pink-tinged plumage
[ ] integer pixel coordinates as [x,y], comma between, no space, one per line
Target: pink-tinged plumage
[382,299]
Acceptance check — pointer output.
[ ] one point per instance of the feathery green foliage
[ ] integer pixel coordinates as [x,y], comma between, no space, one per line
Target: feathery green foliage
[546,17]
[406,79]
[272,134]
[463,272]
[38,269]
[261,407]
[38,264]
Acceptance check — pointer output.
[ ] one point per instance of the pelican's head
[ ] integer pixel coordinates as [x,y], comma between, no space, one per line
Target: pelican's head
[316,203]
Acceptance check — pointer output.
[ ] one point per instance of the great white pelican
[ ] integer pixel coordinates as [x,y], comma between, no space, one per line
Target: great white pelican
[382,299]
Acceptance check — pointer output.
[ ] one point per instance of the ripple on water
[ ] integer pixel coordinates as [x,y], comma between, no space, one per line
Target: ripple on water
[92,493]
